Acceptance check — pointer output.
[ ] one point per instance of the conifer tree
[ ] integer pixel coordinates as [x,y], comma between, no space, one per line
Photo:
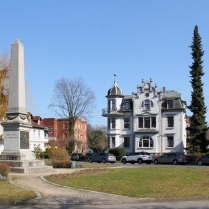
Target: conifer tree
[198,125]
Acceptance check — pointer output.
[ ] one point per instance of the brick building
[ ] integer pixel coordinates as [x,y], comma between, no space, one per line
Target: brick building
[59,131]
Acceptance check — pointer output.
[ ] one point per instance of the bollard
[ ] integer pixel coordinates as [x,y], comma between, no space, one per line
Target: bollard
[73,164]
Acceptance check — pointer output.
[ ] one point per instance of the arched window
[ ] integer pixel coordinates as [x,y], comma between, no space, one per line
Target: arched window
[147,104]
[146,141]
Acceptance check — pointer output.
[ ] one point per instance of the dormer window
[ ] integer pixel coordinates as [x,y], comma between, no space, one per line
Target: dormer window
[147,104]
[170,104]
[126,106]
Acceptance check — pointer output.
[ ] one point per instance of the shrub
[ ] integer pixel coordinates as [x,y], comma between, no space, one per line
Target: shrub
[4,168]
[44,155]
[61,163]
[192,157]
[59,157]
[118,152]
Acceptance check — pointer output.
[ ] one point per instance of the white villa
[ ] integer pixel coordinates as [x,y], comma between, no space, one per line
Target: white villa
[148,120]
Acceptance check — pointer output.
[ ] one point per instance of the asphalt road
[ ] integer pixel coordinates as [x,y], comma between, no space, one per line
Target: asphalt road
[174,205]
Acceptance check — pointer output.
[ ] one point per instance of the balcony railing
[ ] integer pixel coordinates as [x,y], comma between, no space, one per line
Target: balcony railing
[108,111]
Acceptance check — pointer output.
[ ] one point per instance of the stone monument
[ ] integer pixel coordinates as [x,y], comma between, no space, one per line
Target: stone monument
[17,125]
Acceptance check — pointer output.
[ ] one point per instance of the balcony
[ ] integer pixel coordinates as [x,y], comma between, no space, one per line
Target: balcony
[107,112]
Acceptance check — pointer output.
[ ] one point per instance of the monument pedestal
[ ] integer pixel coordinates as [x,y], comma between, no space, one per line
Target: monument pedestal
[21,163]
[16,148]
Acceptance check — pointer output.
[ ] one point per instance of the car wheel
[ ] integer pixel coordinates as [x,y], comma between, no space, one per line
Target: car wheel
[124,161]
[103,160]
[200,162]
[90,160]
[156,162]
[139,161]
[175,162]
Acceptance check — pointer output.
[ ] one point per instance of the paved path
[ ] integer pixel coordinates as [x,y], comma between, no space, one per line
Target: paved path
[50,193]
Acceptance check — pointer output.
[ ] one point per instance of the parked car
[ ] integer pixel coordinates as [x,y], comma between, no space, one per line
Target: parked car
[203,160]
[102,157]
[77,157]
[171,158]
[87,155]
[137,157]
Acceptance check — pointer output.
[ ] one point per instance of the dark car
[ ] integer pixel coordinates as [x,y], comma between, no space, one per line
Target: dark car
[87,155]
[102,157]
[77,157]
[203,160]
[171,158]
[137,157]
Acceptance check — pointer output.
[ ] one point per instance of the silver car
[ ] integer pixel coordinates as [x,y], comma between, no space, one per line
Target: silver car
[171,158]
[137,157]
[102,158]
[203,160]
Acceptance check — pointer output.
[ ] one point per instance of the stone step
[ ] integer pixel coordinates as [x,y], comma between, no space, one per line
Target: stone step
[35,169]
[16,157]
[24,163]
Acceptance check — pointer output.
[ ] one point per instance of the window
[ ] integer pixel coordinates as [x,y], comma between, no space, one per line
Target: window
[64,125]
[64,135]
[141,122]
[170,141]
[147,122]
[113,105]
[39,135]
[108,105]
[170,121]
[146,141]
[113,142]
[147,104]
[126,123]
[126,143]
[113,122]
[146,94]
[170,103]
[126,106]
[153,122]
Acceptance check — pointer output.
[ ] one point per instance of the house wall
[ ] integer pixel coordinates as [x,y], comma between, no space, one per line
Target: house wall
[37,138]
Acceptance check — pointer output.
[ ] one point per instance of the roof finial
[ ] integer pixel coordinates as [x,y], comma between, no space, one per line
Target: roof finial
[115,74]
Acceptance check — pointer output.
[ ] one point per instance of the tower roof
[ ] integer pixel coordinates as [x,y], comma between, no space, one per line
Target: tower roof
[114,90]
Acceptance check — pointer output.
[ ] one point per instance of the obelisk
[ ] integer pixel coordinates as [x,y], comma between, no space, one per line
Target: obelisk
[17,126]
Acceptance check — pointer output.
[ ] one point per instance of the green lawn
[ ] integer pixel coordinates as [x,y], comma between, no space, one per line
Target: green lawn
[10,192]
[144,182]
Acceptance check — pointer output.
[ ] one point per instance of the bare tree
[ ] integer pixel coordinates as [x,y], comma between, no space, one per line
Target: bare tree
[72,99]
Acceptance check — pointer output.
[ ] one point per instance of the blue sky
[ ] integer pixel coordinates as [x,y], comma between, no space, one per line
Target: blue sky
[93,39]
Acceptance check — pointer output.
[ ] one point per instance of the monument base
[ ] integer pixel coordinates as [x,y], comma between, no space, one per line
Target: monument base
[24,162]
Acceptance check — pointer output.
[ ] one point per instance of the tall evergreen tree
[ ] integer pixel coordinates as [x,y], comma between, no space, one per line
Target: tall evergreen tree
[198,125]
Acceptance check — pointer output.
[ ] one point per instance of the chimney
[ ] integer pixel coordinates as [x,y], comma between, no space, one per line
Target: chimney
[164,90]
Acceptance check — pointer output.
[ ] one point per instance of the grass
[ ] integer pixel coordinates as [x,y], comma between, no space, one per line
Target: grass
[145,182]
[10,192]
